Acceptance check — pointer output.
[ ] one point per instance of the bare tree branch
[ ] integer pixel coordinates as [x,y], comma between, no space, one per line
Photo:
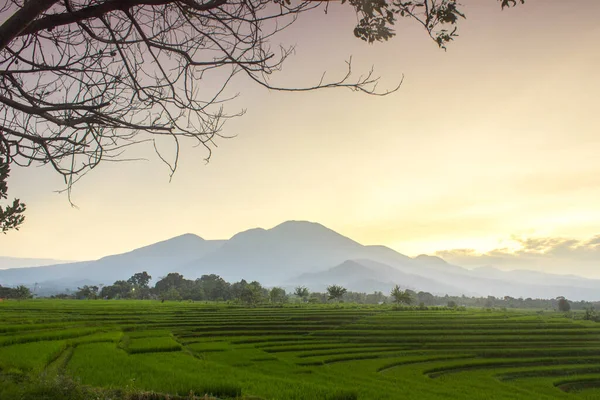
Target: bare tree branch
[83,80]
[21,20]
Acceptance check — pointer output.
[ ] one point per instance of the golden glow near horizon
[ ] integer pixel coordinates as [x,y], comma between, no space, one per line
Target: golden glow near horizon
[494,139]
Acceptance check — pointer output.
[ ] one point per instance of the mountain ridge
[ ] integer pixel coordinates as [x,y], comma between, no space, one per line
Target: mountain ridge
[21,262]
[293,249]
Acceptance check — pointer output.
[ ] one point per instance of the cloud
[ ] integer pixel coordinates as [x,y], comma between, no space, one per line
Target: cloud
[551,254]
[595,241]
[559,248]
[456,253]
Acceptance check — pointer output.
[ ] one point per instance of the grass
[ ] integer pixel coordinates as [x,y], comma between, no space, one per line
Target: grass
[147,350]
[29,356]
[152,344]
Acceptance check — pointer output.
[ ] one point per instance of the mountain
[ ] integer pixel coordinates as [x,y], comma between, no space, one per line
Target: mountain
[15,262]
[301,252]
[536,277]
[273,255]
[368,276]
[157,259]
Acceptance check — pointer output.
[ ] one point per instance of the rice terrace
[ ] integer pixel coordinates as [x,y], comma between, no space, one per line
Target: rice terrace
[172,350]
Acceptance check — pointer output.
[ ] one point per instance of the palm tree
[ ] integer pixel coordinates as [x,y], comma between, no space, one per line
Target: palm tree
[401,296]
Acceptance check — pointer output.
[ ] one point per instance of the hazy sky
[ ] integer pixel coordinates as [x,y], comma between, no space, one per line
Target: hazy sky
[495,139]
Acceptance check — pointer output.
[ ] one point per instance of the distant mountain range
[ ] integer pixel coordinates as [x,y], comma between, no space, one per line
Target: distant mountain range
[303,253]
[16,262]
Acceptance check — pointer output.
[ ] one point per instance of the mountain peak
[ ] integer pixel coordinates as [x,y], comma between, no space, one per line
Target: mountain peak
[431,259]
[350,266]
[187,236]
[187,241]
[299,224]
[293,232]
[313,230]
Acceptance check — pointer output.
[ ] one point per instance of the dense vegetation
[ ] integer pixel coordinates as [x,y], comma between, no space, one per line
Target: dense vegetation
[20,292]
[65,349]
[214,288]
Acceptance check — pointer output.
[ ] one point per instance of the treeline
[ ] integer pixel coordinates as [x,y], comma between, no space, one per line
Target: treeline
[214,288]
[512,302]
[175,287]
[19,293]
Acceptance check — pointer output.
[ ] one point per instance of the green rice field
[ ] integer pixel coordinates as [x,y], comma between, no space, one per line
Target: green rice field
[338,352]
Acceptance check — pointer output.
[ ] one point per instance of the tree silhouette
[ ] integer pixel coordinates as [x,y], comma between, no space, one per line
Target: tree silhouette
[82,80]
[252,294]
[277,295]
[401,296]
[563,304]
[302,292]
[335,292]
[89,292]
[140,279]
[22,292]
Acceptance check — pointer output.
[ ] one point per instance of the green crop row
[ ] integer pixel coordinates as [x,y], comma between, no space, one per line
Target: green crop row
[299,352]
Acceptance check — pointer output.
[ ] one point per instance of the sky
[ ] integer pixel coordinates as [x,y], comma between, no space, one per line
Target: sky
[485,149]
